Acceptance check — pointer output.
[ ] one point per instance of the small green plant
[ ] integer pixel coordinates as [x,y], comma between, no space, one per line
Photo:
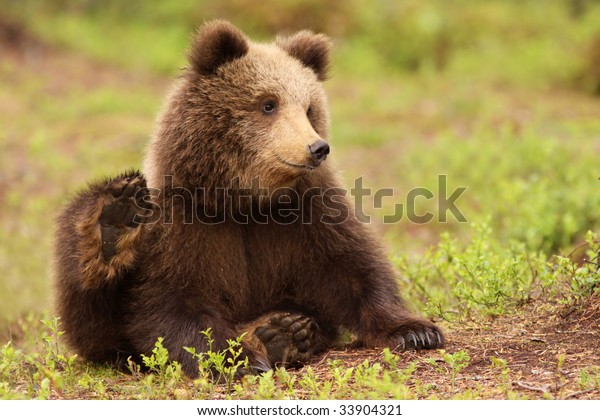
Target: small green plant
[8,357]
[162,372]
[501,365]
[341,378]
[481,278]
[220,366]
[54,358]
[287,380]
[158,361]
[559,375]
[586,279]
[318,388]
[582,280]
[589,378]
[266,386]
[51,370]
[456,361]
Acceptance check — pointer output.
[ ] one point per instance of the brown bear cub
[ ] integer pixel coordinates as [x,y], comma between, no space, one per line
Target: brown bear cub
[237,224]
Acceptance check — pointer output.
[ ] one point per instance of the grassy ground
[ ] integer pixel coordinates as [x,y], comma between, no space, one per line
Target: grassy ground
[489,94]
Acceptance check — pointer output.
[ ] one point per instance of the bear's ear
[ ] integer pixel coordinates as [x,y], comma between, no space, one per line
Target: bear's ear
[216,43]
[311,49]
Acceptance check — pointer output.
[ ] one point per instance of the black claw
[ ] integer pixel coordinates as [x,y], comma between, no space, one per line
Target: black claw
[418,336]
[429,342]
[412,341]
[422,339]
[440,339]
[401,343]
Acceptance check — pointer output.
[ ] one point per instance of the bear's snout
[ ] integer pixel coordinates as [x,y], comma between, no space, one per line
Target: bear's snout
[319,150]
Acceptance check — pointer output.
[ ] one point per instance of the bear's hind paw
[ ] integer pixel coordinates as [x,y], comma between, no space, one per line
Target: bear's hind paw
[289,338]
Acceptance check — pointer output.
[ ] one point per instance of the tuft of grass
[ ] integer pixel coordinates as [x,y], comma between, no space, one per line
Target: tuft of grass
[220,366]
[455,361]
[488,278]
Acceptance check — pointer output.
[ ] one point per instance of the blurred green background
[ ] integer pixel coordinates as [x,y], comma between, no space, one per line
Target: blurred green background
[501,96]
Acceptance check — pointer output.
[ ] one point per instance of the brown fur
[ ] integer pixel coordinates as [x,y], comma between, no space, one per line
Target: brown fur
[311,49]
[173,279]
[96,271]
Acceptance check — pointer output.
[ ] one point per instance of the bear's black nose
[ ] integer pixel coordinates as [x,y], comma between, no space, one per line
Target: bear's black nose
[319,150]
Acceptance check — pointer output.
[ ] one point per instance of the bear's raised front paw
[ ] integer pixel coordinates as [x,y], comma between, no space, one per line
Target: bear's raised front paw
[124,211]
[288,338]
[419,336]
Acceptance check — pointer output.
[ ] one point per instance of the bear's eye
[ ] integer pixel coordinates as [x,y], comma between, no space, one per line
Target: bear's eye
[309,111]
[269,107]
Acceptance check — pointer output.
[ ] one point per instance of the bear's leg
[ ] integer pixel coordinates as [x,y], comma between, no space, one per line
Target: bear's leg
[354,286]
[121,215]
[288,338]
[378,315]
[94,249]
[379,318]
[103,222]
[382,320]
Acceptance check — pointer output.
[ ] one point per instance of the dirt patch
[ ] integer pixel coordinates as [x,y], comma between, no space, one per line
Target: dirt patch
[545,353]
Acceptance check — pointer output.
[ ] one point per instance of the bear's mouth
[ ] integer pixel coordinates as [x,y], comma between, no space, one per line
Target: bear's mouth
[296,165]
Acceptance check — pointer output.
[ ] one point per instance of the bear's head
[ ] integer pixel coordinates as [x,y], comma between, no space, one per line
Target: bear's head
[245,111]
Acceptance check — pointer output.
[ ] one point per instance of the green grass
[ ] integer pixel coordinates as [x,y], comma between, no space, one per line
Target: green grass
[495,95]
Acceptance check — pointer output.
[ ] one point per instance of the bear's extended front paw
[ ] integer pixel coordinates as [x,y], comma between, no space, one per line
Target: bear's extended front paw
[125,210]
[288,338]
[418,336]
